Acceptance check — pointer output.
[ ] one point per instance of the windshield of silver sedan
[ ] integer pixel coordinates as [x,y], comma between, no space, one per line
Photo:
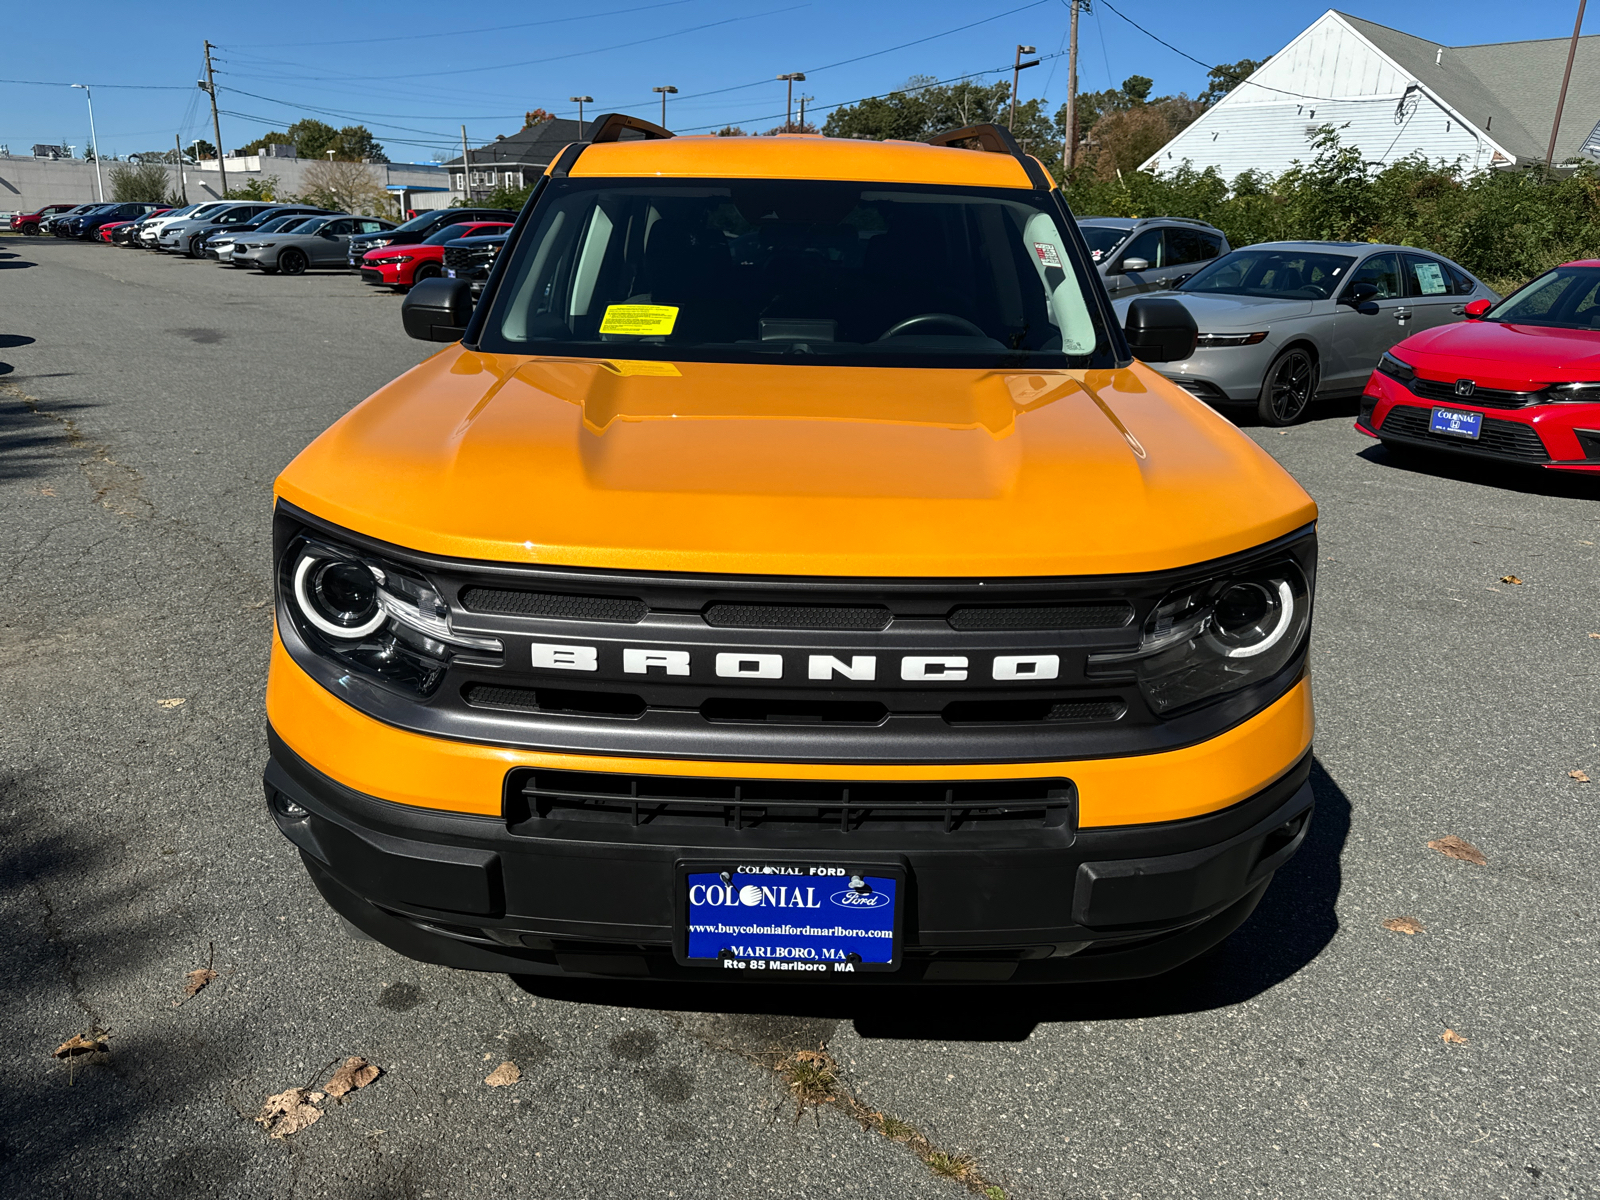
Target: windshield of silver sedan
[802,271]
[1566,298]
[1278,274]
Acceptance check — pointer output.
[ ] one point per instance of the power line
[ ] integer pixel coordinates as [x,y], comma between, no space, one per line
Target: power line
[142,87]
[443,33]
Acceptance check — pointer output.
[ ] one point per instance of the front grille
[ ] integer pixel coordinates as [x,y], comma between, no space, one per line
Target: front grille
[795,616]
[1508,439]
[535,797]
[518,603]
[371,275]
[1031,711]
[736,710]
[558,701]
[1043,616]
[1433,389]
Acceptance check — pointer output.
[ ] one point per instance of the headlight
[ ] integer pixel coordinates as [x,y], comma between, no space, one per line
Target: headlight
[1207,341]
[1575,393]
[393,258]
[1396,369]
[1207,639]
[373,617]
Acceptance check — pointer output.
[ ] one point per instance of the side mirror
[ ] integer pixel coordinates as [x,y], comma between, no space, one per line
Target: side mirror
[1359,293]
[437,310]
[1475,310]
[1135,264]
[1160,330]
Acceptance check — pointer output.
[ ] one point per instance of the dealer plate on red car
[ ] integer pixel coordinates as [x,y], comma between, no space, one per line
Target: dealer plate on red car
[1456,422]
[788,920]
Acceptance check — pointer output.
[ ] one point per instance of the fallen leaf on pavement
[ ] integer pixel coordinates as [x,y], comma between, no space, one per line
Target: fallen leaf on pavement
[47,491]
[1407,925]
[1453,1038]
[198,978]
[93,1042]
[504,1075]
[174,703]
[1453,847]
[355,1073]
[1579,776]
[1595,635]
[1511,579]
[289,1112]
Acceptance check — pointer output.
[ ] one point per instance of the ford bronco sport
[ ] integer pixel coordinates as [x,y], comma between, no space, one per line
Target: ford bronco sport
[788,572]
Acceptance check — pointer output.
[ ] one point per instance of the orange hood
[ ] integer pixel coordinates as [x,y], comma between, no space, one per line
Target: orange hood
[794,470]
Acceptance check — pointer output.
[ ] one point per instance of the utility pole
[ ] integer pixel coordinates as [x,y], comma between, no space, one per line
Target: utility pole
[466,163]
[210,85]
[1017,69]
[788,108]
[183,179]
[1561,101]
[804,100]
[580,101]
[1069,139]
[665,92]
[94,142]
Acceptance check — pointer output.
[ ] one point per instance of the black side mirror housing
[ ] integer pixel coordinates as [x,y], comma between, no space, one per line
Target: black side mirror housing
[437,310]
[1160,330]
[1359,293]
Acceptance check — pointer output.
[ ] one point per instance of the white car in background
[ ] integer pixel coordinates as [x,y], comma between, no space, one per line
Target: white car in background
[152,231]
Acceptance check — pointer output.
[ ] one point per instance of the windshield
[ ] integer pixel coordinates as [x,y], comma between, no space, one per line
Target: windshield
[1281,274]
[279,224]
[312,224]
[448,233]
[1567,298]
[1102,239]
[420,222]
[802,271]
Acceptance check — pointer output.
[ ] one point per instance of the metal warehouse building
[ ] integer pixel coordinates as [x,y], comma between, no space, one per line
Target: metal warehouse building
[1394,95]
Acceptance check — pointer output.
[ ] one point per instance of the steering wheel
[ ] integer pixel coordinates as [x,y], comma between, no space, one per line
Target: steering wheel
[948,320]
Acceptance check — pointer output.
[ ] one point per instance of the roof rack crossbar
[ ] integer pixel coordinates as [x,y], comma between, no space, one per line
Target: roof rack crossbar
[995,139]
[609,127]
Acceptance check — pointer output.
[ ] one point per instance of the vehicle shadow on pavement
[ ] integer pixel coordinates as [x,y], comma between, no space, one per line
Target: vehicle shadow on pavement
[1510,477]
[1295,920]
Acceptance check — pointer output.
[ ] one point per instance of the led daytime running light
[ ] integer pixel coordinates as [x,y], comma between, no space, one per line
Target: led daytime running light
[309,610]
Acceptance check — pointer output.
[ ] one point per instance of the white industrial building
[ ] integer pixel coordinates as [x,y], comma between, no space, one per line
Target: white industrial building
[1394,95]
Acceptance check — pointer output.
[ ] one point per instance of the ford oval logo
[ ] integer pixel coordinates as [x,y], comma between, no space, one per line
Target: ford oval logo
[858,900]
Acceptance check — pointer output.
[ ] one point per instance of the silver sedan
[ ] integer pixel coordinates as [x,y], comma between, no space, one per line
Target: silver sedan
[1284,322]
[320,242]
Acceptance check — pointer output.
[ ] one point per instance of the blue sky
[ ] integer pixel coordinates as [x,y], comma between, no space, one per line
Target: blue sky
[414,72]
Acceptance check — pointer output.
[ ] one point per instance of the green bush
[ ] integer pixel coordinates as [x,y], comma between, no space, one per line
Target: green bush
[145,181]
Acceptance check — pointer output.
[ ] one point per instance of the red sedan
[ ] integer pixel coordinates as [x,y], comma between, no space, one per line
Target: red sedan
[1517,381]
[402,266]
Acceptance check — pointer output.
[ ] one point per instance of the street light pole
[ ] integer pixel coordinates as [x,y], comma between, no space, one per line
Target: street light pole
[665,92]
[1561,101]
[94,143]
[1017,69]
[791,79]
[580,101]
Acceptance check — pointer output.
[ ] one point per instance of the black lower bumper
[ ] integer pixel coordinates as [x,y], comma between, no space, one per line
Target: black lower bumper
[1090,904]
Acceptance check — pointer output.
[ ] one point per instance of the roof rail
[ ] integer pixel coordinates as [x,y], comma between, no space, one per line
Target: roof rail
[995,139]
[609,127]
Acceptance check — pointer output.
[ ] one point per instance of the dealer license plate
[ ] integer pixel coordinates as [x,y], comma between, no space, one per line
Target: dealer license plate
[1456,422]
[787,920]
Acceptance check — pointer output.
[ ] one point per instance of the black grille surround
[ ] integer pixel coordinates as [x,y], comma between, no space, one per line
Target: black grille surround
[1481,397]
[1498,439]
[867,706]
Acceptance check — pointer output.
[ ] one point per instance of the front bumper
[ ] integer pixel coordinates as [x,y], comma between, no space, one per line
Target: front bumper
[1224,374]
[479,893]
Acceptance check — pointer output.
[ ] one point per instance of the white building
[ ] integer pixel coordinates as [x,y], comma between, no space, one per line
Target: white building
[1393,95]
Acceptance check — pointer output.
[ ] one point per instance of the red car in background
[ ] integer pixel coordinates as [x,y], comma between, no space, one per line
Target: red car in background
[1516,382]
[402,266]
[28,223]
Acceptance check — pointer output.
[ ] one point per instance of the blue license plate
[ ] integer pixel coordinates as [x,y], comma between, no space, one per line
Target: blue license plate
[1456,422]
[791,921]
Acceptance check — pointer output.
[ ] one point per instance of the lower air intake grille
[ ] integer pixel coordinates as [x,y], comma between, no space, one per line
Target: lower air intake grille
[1509,439]
[1026,712]
[554,700]
[536,797]
[795,616]
[1043,616]
[622,609]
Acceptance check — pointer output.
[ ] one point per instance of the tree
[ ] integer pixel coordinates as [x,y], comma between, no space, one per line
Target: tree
[1226,77]
[355,143]
[274,138]
[146,182]
[264,188]
[345,187]
[201,148]
[312,138]
[791,127]
[537,117]
[731,131]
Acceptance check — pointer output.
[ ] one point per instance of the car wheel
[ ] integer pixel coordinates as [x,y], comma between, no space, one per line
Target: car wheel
[30,231]
[194,250]
[1288,388]
[427,271]
[292,262]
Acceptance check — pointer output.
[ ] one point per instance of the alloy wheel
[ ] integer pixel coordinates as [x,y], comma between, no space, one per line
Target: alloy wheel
[1290,384]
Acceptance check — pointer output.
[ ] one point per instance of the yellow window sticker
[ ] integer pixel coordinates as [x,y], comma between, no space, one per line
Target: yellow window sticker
[639,320]
[635,366]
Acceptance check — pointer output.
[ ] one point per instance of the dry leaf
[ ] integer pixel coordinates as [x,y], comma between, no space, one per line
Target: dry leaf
[355,1073]
[93,1042]
[1454,847]
[1579,776]
[1595,635]
[288,1112]
[197,979]
[504,1075]
[1511,579]
[47,491]
[1451,1037]
[175,703]
[1406,925]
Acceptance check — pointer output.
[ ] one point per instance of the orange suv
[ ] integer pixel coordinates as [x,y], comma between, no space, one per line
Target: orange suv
[788,572]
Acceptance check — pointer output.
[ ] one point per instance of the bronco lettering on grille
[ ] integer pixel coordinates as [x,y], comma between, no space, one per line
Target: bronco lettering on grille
[826,668]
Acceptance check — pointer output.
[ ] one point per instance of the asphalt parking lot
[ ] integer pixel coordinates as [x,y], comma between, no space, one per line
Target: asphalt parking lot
[146,405]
